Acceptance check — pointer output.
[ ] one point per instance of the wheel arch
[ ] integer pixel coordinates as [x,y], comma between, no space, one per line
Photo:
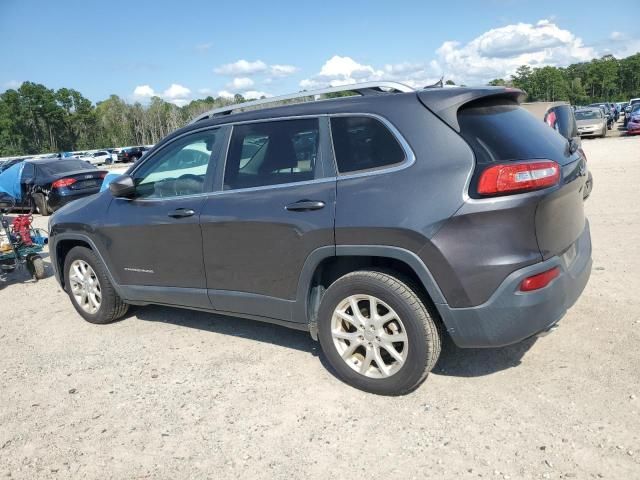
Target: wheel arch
[327,264]
[64,243]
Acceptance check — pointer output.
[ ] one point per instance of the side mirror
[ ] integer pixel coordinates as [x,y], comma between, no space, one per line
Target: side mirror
[122,186]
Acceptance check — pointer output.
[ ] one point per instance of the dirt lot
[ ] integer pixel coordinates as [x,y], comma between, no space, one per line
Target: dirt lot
[175,394]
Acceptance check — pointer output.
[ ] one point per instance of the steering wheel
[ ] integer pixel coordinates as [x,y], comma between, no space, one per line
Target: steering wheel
[180,184]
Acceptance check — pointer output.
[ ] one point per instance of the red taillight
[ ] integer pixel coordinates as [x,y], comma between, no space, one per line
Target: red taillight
[103,174]
[540,280]
[518,177]
[63,182]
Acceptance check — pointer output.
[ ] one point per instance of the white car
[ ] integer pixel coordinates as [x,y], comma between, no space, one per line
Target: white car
[100,157]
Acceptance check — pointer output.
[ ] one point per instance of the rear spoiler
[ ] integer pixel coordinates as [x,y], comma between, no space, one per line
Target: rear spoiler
[445,102]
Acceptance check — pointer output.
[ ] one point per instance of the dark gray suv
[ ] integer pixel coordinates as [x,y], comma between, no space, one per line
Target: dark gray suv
[379,223]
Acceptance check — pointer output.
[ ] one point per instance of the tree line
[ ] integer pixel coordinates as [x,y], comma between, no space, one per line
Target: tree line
[35,119]
[604,79]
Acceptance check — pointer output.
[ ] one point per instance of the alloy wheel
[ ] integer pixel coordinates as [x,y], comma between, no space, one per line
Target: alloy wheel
[85,286]
[369,336]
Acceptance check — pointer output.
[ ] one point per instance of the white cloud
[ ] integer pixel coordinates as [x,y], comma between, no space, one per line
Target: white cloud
[205,91]
[240,83]
[176,94]
[495,53]
[251,94]
[142,92]
[282,70]
[500,51]
[246,68]
[338,71]
[225,94]
[242,67]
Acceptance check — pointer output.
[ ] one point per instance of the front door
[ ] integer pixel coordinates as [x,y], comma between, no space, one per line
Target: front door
[154,239]
[277,206]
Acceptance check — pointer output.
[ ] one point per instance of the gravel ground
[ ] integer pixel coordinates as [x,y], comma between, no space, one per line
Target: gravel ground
[168,393]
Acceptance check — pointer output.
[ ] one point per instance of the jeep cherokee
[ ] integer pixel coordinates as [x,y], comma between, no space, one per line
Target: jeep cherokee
[379,223]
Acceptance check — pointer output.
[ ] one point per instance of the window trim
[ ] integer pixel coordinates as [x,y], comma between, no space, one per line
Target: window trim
[408,160]
[321,154]
[326,143]
[211,182]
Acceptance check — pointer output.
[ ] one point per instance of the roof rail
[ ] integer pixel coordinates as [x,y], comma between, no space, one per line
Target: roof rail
[365,88]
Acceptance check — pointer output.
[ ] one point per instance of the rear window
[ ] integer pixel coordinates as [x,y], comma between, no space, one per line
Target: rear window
[588,114]
[64,166]
[503,131]
[363,143]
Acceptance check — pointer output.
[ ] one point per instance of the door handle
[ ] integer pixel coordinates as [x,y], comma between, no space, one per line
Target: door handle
[182,213]
[304,205]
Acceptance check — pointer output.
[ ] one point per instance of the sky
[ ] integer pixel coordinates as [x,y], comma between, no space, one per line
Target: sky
[186,49]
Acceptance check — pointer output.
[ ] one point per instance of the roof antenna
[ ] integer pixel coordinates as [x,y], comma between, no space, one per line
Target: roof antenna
[438,84]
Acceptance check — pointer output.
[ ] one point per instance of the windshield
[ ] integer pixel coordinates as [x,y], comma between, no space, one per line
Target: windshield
[588,114]
[64,166]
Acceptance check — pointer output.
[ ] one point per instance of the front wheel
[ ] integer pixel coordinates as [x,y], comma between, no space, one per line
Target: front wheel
[377,334]
[89,288]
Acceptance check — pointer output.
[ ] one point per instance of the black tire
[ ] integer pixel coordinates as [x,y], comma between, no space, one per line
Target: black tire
[424,338]
[111,306]
[37,265]
[41,204]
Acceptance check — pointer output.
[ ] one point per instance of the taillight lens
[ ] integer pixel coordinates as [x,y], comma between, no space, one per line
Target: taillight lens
[541,280]
[103,174]
[518,177]
[63,182]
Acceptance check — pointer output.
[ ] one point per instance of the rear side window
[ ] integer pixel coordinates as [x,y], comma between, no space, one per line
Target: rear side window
[363,143]
[272,153]
[502,131]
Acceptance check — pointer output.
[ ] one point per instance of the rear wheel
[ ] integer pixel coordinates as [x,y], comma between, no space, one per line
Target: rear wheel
[41,204]
[90,289]
[377,334]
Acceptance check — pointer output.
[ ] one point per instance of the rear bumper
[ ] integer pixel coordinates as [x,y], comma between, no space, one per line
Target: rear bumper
[57,200]
[509,315]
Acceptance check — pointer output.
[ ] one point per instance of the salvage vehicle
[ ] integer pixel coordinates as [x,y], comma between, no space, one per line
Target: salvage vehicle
[591,122]
[48,184]
[633,124]
[379,222]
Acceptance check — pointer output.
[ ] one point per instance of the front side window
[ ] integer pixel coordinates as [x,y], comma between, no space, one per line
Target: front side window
[272,153]
[363,143]
[181,167]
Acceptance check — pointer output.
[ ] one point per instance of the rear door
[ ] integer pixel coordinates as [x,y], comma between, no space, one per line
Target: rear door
[276,206]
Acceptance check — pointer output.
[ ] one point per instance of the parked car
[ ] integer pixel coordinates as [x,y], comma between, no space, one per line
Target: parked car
[607,111]
[561,117]
[10,163]
[378,223]
[131,154]
[591,122]
[633,124]
[628,108]
[101,157]
[48,184]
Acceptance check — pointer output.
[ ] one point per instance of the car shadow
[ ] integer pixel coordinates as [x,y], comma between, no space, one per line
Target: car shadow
[226,325]
[454,361]
[477,362]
